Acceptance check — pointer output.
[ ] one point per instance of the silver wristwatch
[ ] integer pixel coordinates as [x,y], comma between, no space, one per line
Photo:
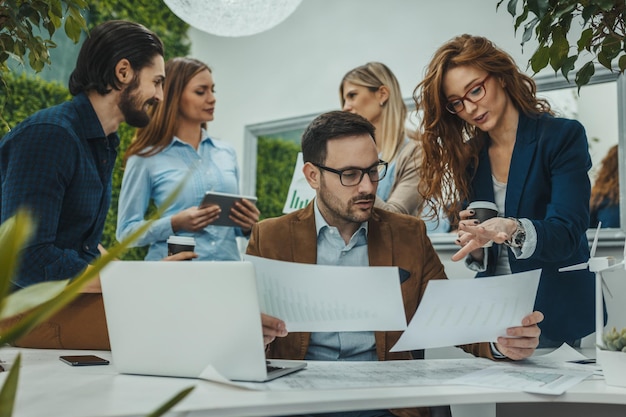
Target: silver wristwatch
[518,237]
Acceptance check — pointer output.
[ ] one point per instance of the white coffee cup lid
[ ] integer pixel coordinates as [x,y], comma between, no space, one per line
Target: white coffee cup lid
[483,205]
[182,240]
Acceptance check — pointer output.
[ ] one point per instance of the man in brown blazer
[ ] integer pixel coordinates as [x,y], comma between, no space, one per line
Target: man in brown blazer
[342,227]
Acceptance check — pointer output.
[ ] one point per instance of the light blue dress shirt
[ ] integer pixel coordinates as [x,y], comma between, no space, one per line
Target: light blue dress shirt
[332,250]
[213,167]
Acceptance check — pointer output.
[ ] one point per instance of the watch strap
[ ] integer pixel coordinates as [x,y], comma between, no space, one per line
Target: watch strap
[518,237]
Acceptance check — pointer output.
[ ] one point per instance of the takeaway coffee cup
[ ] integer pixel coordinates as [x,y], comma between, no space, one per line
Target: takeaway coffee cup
[483,210]
[176,244]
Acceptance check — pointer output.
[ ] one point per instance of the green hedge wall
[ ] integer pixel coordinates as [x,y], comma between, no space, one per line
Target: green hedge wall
[22,96]
[275,161]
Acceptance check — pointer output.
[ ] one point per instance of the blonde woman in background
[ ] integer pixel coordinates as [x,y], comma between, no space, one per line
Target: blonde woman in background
[372,91]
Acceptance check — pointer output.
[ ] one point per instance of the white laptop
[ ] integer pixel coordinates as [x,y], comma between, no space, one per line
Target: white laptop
[177,318]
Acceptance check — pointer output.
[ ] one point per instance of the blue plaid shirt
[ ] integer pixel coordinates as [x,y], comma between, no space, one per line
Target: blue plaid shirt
[58,164]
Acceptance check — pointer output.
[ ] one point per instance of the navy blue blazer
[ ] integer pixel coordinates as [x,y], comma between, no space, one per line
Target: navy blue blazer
[548,184]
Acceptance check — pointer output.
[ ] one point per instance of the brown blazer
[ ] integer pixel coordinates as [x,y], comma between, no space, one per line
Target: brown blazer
[393,240]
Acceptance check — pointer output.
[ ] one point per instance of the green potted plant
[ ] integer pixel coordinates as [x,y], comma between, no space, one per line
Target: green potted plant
[601,40]
[612,356]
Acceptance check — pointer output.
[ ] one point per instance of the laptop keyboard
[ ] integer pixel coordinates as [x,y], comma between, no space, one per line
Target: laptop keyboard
[271,368]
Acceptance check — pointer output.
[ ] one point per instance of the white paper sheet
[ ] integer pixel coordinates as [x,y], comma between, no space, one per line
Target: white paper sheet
[460,311]
[322,298]
[548,374]
[347,374]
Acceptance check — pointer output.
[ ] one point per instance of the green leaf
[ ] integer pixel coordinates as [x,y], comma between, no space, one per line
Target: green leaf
[558,49]
[19,49]
[6,42]
[588,12]
[170,403]
[604,59]
[584,42]
[14,233]
[9,389]
[611,47]
[606,4]
[36,61]
[512,7]
[78,17]
[540,59]
[528,30]
[30,297]
[538,7]
[584,74]
[72,29]
[568,65]
[566,10]
[522,17]
[56,9]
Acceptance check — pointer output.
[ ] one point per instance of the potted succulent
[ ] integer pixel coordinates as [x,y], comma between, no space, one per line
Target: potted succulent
[612,356]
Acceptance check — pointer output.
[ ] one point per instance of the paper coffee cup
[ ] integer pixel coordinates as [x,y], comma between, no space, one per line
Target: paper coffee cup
[483,210]
[176,244]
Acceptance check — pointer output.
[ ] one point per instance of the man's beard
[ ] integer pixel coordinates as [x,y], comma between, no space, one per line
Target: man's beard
[343,211]
[134,113]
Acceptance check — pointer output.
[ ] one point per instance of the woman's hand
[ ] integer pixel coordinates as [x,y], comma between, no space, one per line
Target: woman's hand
[181,256]
[245,214]
[195,219]
[473,235]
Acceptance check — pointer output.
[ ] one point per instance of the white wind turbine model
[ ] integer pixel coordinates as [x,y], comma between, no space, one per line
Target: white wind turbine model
[598,265]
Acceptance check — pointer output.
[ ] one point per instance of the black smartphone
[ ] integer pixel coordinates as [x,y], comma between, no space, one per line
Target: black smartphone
[83,360]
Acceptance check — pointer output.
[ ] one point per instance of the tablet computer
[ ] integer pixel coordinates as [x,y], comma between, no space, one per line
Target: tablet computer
[226,202]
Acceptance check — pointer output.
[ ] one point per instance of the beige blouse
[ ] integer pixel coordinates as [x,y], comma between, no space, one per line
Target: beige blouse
[404,197]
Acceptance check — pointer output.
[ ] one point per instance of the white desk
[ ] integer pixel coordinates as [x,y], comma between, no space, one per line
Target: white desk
[49,387]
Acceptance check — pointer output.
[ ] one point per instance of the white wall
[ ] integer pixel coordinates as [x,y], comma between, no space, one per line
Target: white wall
[295,68]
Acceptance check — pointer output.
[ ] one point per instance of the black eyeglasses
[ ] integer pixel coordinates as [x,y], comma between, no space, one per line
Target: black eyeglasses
[474,95]
[353,176]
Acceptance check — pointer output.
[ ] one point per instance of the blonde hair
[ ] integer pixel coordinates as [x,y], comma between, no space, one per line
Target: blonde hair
[374,75]
[448,152]
[153,138]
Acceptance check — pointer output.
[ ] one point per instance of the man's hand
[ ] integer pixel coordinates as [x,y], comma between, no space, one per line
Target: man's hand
[520,342]
[272,328]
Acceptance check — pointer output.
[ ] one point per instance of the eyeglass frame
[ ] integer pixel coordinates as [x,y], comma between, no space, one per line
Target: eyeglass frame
[465,98]
[364,171]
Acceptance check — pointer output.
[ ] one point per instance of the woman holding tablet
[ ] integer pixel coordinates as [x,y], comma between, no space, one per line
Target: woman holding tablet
[175,150]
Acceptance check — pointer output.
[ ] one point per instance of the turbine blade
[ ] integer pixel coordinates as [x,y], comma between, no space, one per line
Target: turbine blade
[595,241]
[575,267]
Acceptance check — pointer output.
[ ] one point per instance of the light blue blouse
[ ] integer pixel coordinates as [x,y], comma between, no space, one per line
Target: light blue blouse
[213,167]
